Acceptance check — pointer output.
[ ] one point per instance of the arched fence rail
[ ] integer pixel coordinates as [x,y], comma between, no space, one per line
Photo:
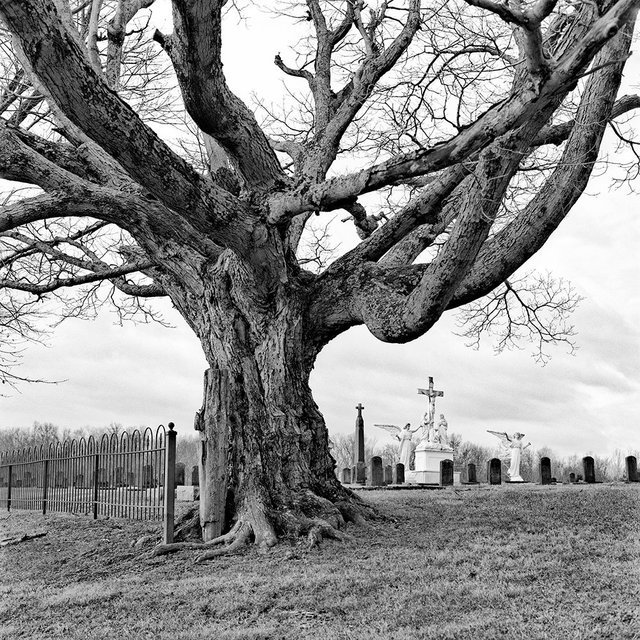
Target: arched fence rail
[119,475]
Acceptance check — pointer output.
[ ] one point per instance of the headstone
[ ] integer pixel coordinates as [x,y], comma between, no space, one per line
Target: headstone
[28,479]
[195,476]
[358,452]
[103,481]
[545,470]
[494,471]
[60,480]
[346,476]
[589,469]
[632,469]
[388,474]
[471,474]
[446,473]
[180,473]
[399,469]
[78,481]
[376,473]
[119,477]
[131,479]
[147,476]
[572,477]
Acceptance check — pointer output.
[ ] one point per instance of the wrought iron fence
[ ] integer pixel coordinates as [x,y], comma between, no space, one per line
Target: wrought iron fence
[122,476]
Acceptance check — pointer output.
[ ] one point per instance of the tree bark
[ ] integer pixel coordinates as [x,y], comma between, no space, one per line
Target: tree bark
[266,469]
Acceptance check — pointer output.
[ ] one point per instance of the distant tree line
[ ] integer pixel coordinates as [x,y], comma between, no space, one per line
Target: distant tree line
[607,468]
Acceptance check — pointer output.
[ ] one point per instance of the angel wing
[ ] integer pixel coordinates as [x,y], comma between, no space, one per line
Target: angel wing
[504,437]
[505,441]
[391,428]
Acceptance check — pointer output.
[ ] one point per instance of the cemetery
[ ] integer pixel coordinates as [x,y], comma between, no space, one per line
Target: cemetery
[472,550]
[293,189]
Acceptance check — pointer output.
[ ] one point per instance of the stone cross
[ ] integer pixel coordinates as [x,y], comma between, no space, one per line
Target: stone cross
[359,443]
[432,394]
[359,473]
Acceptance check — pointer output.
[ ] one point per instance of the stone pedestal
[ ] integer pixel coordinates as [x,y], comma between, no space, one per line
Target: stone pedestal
[187,493]
[427,465]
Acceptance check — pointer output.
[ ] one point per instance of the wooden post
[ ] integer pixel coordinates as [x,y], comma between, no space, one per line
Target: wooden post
[95,486]
[45,486]
[213,423]
[9,489]
[169,484]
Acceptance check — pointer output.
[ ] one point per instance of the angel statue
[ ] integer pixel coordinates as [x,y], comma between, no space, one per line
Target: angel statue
[404,435]
[512,449]
[443,426]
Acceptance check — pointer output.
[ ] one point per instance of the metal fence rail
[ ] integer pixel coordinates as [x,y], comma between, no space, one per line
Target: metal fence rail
[123,476]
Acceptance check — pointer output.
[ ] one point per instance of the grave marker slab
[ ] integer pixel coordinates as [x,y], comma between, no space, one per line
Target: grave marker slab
[494,471]
[388,474]
[588,466]
[180,474]
[377,474]
[399,471]
[472,476]
[195,476]
[346,476]
[446,473]
[545,470]
[632,469]
[572,477]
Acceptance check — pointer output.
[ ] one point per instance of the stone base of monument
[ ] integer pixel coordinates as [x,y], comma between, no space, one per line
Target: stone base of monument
[427,466]
[187,493]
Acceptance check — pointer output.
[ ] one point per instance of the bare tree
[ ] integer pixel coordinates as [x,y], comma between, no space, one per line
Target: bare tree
[474,126]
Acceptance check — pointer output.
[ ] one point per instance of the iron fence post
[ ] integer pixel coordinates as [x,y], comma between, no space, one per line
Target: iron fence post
[45,486]
[169,484]
[9,488]
[95,486]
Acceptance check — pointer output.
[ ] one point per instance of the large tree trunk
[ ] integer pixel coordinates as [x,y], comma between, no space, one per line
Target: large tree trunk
[266,469]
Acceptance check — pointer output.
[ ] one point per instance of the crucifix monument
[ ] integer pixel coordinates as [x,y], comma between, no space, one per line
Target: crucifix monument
[433,447]
[432,394]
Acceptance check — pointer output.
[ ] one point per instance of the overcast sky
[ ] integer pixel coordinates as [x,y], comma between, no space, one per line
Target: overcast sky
[585,403]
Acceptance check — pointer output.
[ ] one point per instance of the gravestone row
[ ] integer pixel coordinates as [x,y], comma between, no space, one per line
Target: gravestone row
[380,476]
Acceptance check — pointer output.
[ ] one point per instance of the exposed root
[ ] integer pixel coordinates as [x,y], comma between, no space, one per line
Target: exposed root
[165,549]
[241,536]
[321,529]
[6,542]
[309,517]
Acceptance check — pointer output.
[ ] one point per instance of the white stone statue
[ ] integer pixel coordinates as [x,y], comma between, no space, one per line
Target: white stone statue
[404,435]
[443,425]
[429,436]
[512,448]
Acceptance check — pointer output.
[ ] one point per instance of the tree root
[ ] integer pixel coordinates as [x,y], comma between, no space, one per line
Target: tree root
[6,542]
[309,517]
[242,532]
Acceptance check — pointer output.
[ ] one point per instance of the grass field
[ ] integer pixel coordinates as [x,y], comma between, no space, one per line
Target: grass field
[481,563]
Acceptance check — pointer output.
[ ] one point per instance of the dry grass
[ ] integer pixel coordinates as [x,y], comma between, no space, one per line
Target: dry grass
[506,562]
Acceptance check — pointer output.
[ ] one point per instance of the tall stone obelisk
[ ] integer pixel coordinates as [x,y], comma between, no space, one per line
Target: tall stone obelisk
[359,471]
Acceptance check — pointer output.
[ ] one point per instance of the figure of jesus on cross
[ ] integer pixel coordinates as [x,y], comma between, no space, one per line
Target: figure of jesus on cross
[432,394]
